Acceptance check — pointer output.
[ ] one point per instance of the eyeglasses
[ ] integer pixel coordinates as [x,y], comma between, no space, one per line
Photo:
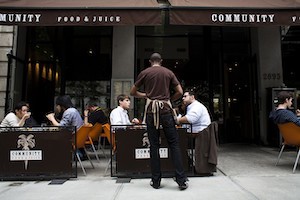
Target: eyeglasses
[185,95]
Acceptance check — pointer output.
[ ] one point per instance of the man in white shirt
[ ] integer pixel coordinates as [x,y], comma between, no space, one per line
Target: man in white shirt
[119,115]
[196,113]
[18,117]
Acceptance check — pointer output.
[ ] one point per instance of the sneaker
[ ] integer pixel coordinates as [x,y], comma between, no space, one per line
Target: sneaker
[183,186]
[154,184]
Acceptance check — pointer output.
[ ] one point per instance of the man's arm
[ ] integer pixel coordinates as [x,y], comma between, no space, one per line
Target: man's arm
[85,118]
[22,121]
[178,93]
[182,120]
[134,92]
[52,119]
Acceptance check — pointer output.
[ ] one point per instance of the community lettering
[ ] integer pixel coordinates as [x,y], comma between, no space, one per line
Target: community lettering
[25,18]
[246,18]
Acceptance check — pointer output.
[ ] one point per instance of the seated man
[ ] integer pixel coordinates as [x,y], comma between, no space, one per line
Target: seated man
[17,117]
[203,151]
[119,115]
[196,113]
[282,114]
[30,122]
[93,114]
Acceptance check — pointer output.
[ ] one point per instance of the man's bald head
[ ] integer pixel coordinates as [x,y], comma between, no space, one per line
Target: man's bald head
[155,57]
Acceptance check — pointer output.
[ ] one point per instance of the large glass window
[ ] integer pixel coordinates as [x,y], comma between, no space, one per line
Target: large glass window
[67,60]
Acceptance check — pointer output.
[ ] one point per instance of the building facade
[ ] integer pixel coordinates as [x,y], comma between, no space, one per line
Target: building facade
[228,52]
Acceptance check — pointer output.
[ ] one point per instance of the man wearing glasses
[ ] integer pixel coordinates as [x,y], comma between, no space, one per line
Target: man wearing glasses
[196,113]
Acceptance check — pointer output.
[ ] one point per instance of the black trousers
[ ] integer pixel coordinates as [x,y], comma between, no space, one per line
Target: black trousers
[168,124]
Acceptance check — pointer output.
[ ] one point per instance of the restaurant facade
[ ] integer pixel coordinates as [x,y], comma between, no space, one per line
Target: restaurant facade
[230,52]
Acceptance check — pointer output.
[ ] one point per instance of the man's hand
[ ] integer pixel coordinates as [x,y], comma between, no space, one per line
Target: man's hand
[177,119]
[50,116]
[135,121]
[27,115]
[298,112]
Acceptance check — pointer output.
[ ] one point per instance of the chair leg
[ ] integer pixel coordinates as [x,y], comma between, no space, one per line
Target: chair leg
[109,162]
[99,143]
[100,146]
[95,152]
[296,162]
[89,158]
[79,160]
[280,154]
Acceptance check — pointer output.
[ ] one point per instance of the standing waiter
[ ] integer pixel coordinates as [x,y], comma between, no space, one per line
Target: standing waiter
[157,81]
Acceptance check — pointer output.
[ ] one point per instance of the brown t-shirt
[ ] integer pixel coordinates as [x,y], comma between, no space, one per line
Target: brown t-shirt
[157,81]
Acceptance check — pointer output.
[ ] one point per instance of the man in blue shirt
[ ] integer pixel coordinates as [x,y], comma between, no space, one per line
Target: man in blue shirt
[282,114]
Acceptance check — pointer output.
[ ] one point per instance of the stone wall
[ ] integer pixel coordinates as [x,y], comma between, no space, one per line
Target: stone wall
[6,45]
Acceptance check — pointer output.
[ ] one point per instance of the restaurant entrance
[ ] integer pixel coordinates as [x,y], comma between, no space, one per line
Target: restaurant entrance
[217,63]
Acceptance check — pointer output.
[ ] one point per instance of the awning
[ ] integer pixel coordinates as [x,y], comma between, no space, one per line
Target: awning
[235,12]
[79,12]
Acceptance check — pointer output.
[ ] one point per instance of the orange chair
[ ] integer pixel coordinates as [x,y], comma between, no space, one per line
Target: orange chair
[111,139]
[81,137]
[291,136]
[94,135]
[107,134]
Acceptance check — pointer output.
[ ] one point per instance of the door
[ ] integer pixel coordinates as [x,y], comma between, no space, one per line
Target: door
[240,100]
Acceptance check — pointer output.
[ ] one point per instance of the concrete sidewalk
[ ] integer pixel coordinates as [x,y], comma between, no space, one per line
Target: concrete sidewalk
[244,172]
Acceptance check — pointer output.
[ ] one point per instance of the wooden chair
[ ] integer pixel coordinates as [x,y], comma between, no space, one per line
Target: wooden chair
[291,136]
[81,137]
[93,136]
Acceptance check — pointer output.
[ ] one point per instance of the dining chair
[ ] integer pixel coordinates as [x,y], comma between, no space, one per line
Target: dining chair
[290,133]
[94,134]
[108,135]
[111,139]
[81,137]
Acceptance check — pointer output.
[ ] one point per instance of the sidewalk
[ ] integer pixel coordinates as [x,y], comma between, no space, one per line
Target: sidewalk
[244,172]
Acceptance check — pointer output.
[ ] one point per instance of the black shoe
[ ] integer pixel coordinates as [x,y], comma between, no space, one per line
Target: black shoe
[174,178]
[183,186]
[155,184]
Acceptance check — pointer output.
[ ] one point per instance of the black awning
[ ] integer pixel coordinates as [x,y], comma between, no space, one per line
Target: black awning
[235,12]
[79,12]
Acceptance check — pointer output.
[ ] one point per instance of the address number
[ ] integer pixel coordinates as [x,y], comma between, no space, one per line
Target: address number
[271,76]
